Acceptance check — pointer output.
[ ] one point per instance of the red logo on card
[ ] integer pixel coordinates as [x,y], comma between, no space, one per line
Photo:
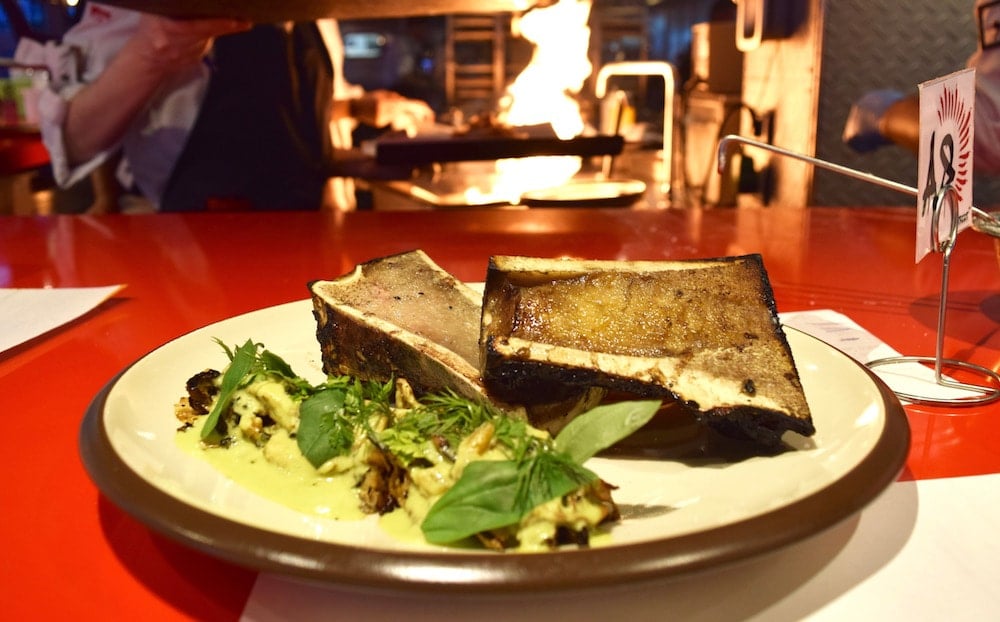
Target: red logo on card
[956,113]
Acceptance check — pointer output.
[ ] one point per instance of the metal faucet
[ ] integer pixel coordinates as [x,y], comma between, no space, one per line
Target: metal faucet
[648,68]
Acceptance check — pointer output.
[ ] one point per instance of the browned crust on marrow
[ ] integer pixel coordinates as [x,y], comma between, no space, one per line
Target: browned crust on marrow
[703,332]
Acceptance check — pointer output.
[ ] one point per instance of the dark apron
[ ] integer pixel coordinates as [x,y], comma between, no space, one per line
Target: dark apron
[261,140]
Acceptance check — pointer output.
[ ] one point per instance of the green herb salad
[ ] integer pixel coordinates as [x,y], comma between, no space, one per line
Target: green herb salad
[463,471]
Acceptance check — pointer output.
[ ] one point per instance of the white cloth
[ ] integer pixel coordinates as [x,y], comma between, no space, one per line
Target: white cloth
[155,140]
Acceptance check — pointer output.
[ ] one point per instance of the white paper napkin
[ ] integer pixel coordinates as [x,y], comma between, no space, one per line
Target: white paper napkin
[846,335]
[28,313]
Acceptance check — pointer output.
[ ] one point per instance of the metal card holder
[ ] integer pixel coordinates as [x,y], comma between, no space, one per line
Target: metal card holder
[944,205]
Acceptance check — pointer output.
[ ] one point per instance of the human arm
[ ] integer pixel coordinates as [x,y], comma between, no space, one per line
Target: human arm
[100,112]
[883,117]
[382,108]
[378,109]
[879,119]
[901,123]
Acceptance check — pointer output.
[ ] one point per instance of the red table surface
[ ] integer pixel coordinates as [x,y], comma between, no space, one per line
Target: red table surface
[71,553]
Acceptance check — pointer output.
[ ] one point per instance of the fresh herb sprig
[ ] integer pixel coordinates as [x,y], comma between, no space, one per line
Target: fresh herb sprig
[450,417]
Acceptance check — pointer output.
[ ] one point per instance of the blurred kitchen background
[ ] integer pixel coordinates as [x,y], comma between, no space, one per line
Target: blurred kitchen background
[792,86]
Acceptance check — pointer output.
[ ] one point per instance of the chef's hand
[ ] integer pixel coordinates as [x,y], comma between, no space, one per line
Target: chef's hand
[863,129]
[388,109]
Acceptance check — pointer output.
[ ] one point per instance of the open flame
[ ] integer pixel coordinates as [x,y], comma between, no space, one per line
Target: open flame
[544,93]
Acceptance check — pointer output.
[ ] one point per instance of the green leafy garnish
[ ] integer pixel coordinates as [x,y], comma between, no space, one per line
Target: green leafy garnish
[332,418]
[449,417]
[245,363]
[325,431]
[340,413]
[241,362]
[603,426]
[492,494]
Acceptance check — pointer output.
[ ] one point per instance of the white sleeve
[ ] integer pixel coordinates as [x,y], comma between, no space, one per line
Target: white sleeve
[52,112]
[154,140]
[82,55]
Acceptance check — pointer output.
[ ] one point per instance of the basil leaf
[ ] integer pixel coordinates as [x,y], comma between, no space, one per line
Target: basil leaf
[274,363]
[324,429]
[603,426]
[492,494]
[484,497]
[239,366]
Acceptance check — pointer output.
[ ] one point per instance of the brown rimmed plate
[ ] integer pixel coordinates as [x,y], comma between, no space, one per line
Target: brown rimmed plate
[683,514]
[270,11]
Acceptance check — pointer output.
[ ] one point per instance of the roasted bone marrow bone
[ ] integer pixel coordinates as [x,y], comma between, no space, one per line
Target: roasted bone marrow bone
[703,332]
[401,316]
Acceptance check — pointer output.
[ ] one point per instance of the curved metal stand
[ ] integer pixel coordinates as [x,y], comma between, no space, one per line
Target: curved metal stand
[944,245]
[944,198]
[990,395]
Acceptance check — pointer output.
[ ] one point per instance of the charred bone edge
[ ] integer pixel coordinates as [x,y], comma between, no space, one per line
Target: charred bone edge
[528,367]
[359,343]
[513,366]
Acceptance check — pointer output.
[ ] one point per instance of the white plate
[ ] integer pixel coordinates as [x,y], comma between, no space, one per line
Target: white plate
[685,508]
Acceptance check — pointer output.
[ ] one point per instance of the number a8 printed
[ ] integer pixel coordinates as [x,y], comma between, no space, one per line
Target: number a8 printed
[944,185]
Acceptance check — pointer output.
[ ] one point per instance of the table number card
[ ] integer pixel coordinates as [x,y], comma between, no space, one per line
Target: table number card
[945,155]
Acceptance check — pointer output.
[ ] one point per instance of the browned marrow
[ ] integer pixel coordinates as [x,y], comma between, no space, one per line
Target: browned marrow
[704,332]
